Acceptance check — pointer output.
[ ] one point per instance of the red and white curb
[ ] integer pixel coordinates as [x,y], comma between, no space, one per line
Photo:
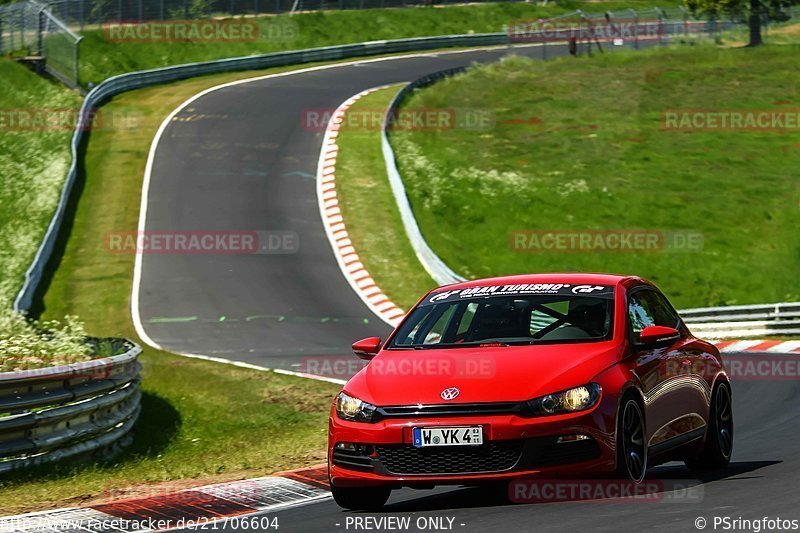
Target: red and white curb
[349,261]
[211,506]
[758,346]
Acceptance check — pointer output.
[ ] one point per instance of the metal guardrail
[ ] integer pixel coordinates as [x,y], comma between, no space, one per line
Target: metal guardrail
[57,413]
[137,80]
[433,264]
[744,320]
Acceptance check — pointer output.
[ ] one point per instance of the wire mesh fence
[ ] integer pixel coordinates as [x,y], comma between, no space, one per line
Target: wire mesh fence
[19,27]
[51,28]
[60,46]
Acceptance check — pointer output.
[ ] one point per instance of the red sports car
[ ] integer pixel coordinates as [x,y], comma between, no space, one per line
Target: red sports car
[556,375]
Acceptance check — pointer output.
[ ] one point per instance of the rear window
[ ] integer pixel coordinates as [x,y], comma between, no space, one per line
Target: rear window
[509,314]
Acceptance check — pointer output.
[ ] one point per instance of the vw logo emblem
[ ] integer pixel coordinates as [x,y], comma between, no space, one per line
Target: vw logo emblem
[450,394]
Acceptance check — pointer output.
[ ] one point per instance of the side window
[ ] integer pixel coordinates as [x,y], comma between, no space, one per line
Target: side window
[648,308]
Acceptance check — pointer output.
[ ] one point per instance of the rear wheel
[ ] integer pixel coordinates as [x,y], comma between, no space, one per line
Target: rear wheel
[718,447]
[631,442]
[361,498]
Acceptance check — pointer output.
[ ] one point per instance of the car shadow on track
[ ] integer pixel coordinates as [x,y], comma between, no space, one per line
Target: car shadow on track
[668,477]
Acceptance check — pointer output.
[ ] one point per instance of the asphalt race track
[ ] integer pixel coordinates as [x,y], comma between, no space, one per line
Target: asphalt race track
[240,159]
[761,481]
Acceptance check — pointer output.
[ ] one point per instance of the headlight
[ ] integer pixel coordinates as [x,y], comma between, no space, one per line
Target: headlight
[568,401]
[349,408]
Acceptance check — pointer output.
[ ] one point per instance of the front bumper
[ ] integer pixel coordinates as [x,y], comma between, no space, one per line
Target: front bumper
[513,447]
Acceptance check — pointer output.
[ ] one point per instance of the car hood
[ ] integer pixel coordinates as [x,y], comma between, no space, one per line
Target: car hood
[488,374]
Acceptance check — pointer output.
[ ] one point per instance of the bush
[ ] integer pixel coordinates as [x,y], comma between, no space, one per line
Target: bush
[26,344]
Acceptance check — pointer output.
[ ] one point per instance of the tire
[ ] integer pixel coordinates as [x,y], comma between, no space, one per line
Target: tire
[718,445]
[631,442]
[361,498]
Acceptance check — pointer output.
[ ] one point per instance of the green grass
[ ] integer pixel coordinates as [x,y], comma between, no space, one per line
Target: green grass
[369,209]
[33,163]
[579,145]
[101,57]
[240,424]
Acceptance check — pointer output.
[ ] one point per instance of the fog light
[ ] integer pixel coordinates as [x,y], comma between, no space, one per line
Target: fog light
[572,438]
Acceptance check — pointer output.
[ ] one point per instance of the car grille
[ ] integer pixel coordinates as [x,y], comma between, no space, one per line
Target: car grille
[495,456]
[455,409]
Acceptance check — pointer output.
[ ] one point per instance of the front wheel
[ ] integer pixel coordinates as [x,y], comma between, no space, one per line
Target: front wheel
[361,498]
[631,442]
[718,447]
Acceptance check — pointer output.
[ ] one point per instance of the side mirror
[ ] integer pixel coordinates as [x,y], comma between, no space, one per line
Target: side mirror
[367,348]
[652,335]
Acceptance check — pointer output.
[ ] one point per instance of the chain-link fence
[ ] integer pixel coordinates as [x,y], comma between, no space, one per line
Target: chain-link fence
[50,28]
[60,46]
[79,13]
[19,27]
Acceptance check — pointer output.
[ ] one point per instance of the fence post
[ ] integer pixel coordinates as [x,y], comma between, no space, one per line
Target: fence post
[39,39]
[1,35]
[161,9]
[77,73]
[81,7]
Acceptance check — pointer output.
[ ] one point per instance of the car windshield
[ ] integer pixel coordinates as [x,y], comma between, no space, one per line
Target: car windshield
[507,320]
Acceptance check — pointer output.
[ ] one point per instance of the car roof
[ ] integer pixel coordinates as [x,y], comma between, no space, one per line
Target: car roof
[567,277]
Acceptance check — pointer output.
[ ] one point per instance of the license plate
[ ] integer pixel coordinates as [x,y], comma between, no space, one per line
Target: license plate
[452,436]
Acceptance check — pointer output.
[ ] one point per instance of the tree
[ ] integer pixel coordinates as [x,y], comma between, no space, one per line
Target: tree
[753,10]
